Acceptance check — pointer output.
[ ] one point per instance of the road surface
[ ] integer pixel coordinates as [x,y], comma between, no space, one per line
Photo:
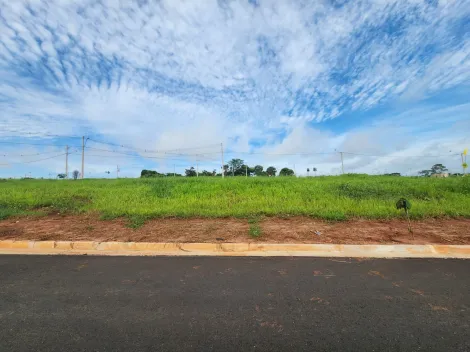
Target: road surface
[83,303]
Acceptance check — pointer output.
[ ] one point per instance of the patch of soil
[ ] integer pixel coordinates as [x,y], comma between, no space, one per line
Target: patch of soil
[274,230]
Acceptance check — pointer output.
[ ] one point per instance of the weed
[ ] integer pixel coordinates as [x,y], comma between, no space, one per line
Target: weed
[255,230]
[405,204]
[136,221]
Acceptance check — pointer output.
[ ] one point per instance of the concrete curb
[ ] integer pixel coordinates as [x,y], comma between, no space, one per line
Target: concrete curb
[233,249]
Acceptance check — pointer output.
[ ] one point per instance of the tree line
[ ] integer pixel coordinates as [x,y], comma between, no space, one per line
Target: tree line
[235,167]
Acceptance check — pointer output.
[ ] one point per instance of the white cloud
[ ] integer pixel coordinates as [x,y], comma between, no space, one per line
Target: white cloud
[171,74]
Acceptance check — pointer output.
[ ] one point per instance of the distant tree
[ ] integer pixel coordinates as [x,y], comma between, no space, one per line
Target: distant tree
[271,171]
[286,172]
[435,169]
[207,173]
[191,172]
[438,169]
[148,173]
[61,175]
[226,169]
[315,171]
[244,170]
[308,170]
[75,174]
[236,166]
[258,170]
[425,173]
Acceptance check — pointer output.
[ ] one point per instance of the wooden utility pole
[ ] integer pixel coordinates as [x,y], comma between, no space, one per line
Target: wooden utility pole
[222,154]
[66,161]
[83,156]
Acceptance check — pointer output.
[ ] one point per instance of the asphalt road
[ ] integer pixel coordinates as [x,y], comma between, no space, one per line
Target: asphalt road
[80,303]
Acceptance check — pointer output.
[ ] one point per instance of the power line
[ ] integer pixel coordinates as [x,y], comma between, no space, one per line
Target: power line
[402,156]
[22,155]
[34,161]
[153,151]
[137,155]
[142,157]
[39,135]
[43,144]
[261,153]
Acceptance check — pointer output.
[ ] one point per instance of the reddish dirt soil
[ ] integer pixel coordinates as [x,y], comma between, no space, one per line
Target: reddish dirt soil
[274,230]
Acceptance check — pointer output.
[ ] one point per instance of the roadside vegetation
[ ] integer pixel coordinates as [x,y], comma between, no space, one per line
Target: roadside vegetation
[329,197]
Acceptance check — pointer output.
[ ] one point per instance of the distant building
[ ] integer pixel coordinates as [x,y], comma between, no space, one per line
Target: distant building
[444,174]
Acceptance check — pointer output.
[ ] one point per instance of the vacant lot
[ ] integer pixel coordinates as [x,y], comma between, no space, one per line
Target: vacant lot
[328,198]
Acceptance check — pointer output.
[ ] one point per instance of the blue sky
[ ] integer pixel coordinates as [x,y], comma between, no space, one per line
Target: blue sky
[280,83]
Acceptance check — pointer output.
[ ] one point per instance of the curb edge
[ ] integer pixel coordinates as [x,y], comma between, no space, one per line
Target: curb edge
[233,249]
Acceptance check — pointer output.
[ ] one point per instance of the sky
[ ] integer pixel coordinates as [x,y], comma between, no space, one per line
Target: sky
[164,85]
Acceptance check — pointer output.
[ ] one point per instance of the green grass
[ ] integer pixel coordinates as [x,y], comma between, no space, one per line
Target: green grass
[331,198]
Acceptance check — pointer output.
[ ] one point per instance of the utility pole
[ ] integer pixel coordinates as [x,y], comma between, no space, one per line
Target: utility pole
[66,161]
[222,154]
[463,162]
[117,171]
[83,156]
[342,163]
[246,171]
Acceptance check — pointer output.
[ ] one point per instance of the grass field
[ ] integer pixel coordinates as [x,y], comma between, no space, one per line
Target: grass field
[331,198]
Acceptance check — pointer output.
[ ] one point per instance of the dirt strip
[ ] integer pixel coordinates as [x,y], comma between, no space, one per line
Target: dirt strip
[274,230]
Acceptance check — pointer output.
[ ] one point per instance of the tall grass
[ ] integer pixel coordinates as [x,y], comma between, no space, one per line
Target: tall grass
[333,197]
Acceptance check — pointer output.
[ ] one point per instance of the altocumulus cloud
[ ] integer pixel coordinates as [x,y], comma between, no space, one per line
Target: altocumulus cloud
[262,76]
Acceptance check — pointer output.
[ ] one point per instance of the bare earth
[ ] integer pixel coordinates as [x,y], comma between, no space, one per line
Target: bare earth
[274,230]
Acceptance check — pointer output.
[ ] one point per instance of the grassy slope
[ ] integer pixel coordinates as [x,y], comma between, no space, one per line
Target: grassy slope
[323,197]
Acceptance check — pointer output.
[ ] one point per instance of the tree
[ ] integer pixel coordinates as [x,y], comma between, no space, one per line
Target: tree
[258,170]
[308,170]
[61,175]
[207,173]
[191,172]
[148,173]
[271,171]
[236,166]
[244,170]
[425,173]
[438,169]
[75,174]
[286,172]
[315,171]
[226,168]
